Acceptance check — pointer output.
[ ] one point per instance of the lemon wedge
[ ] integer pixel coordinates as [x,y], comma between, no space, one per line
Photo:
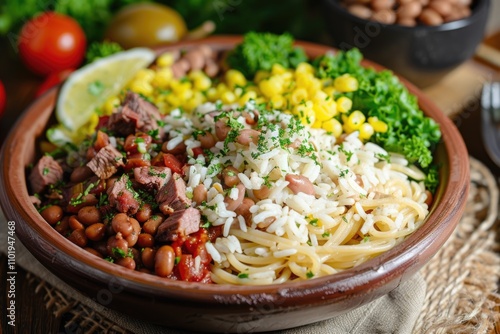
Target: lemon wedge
[87,89]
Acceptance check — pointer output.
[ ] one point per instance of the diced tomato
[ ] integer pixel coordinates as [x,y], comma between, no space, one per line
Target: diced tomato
[214,232]
[173,163]
[158,160]
[136,160]
[197,151]
[137,143]
[188,270]
[101,140]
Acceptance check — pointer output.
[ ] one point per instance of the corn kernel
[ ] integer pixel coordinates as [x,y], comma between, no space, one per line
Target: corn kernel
[202,83]
[324,111]
[303,79]
[272,86]
[179,87]
[355,119]
[212,94]
[344,104]
[260,75]
[313,86]
[346,83]
[305,112]
[110,105]
[221,88]
[365,131]
[304,68]
[141,87]
[193,75]
[330,90]
[277,69]
[228,97]
[235,78]
[378,125]
[165,60]
[145,74]
[317,124]
[278,102]
[162,78]
[298,95]
[333,126]
[247,97]
[286,76]
[173,100]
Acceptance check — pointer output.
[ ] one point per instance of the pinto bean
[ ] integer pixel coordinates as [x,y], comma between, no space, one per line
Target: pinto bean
[207,140]
[75,224]
[126,262]
[230,176]
[151,225]
[78,238]
[360,11]
[385,16]
[262,193]
[95,232]
[136,230]
[429,198]
[164,261]
[299,183]
[89,215]
[211,68]
[144,213]
[52,214]
[121,224]
[268,221]
[101,247]
[199,193]
[80,174]
[62,226]
[145,240]
[221,129]
[247,136]
[430,17]
[244,209]
[232,204]
[196,59]
[148,257]
[382,4]
[116,242]
[409,10]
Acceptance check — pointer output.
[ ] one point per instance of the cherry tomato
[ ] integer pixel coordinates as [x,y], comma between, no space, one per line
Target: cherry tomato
[51,42]
[52,80]
[3,99]
[146,24]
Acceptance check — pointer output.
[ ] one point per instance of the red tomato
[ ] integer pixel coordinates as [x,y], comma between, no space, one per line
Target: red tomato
[51,42]
[173,163]
[3,99]
[52,80]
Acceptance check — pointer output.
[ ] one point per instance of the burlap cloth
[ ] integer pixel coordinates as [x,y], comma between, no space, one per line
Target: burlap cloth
[456,292]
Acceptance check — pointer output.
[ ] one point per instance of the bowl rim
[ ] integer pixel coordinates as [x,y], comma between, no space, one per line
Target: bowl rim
[478,7]
[398,262]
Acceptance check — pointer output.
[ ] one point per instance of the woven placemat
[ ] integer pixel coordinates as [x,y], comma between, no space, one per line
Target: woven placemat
[462,279]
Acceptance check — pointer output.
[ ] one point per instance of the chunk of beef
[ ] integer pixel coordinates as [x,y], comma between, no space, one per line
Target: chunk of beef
[106,162]
[121,196]
[148,113]
[183,222]
[135,113]
[152,177]
[46,171]
[172,196]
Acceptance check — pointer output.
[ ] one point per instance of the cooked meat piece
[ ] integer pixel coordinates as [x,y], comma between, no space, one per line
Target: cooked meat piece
[125,121]
[152,177]
[172,196]
[183,222]
[106,162]
[121,196]
[135,113]
[46,171]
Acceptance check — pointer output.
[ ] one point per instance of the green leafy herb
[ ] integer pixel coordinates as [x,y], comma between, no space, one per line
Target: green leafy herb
[45,171]
[259,51]
[242,275]
[118,252]
[382,95]
[309,274]
[99,50]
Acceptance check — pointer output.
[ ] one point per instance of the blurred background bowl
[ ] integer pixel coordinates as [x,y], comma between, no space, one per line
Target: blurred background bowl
[422,54]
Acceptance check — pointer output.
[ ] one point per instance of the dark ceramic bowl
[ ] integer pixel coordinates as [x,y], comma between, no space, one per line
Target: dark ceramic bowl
[225,308]
[421,54]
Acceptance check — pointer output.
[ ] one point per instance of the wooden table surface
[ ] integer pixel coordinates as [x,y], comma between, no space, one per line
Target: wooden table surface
[32,315]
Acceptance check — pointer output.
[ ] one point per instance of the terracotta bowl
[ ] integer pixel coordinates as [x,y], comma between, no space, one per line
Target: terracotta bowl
[223,308]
